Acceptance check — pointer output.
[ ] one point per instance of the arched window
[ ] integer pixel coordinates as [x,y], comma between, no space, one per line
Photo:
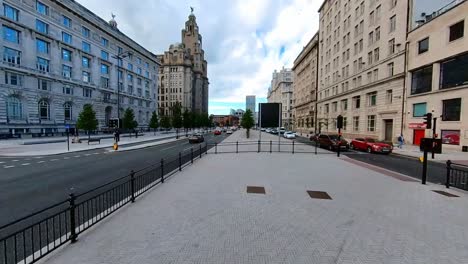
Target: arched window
[44,109]
[14,108]
[140,117]
[67,107]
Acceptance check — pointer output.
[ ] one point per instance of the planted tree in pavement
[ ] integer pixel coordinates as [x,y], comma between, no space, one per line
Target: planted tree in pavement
[129,121]
[177,117]
[87,120]
[247,121]
[165,122]
[154,122]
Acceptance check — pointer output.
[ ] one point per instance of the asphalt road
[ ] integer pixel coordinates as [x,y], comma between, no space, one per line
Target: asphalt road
[32,183]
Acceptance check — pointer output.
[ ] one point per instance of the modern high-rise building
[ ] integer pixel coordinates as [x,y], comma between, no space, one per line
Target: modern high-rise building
[305,88]
[184,75]
[437,79]
[250,103]
[362,67]
[59,56]
[281,91]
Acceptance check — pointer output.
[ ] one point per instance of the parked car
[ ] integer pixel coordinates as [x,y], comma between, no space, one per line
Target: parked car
[262,129]
[331,142]
[289,135]
[314,137]
[217,132]
[371,145]
[196,138]
[282,130]
[274,132]
[229,131]
[268,130]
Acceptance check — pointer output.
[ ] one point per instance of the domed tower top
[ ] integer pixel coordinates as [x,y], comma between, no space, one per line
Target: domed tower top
[112,22]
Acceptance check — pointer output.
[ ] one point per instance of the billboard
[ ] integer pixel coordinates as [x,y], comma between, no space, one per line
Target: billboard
[270,115]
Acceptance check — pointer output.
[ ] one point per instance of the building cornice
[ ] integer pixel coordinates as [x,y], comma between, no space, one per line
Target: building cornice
[306,51]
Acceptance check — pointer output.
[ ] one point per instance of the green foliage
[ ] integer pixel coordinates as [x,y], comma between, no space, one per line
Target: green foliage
[247,120]
[187,116]
[87,119]
[129,121]
[177,115]
[165,121]
[154,122]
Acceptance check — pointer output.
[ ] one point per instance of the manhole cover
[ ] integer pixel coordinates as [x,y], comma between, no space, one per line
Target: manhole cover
[446,193]
[319,195]
[255,189]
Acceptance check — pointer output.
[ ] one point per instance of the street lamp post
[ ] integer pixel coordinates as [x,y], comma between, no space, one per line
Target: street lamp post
[119,57]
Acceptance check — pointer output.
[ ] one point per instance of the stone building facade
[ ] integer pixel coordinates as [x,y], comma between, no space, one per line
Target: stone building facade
[281,91]
[184,72]
[58,56]
[362,67]
[305,88]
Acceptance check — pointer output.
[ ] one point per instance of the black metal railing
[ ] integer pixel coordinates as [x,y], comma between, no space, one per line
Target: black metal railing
[266,147]
[32,237]
[457,175]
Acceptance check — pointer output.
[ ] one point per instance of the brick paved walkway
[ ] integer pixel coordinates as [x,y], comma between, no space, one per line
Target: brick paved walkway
[204,215]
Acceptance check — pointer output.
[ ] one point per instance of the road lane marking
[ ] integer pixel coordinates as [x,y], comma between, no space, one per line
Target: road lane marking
[87,155]
[25,164]
[96,153]
[77,156]
[1,162]
[15,160]
[39,162]
[65,158]
[38,157]
[168,148]
[53,159]
[7,167]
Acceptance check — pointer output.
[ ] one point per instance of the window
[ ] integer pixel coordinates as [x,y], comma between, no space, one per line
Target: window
[86,77]
[119,75]
[67,90]
[10,12]
[85,32]
[87,92]
[344,104]
[377,13]
[13,79]
[453,72]
[419,110]
[370,58]
[147,74]
[390,68]
[66,71]
[376,55]
[457,30]
[451,109]
[119,50]
[130,67]
[138,81]
[345,123]
[376,75]
[42,64]
[139,71]
[372,18]
[14,108]
[391,46]
[42,46]
[393,3]
[372,99]
[67,38]
[44,109]
[86,47]
[85,62]
[146,65]
[389,97]
[139,60]
[11,56]
[104,42]
[42,9]
[66,55]
[67,111]
[67,22]
[335,106]
[104,55]
[43,85]
[371,123]
[130,78]
[357,102]
[120,62]
[104,69]
[423,45]
[10,34]
[421,81]
[355,123]
[104,82]
[42,27]
[377,34]
[393,23]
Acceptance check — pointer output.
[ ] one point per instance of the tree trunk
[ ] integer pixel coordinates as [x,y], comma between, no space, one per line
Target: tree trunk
[248,133]
[89,135]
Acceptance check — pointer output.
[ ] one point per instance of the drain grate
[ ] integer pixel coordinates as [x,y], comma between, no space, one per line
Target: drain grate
[256,189]
[445,193]
[319,195]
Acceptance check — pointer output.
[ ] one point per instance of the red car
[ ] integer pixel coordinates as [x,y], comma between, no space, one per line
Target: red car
[217,132]
[371,145]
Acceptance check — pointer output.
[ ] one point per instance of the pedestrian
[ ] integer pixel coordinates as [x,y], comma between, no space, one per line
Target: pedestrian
[117,134]
[401,141]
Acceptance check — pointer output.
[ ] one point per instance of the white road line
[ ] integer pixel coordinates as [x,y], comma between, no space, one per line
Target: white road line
[96,153]
[39,162]
[38,157]
[25,164]
[66,158]
[168,148]
[1,162]
[15,160]
[53,159]
[77,156]
[87,155]
[7,167]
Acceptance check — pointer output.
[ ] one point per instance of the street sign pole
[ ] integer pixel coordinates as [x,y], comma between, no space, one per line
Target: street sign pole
[424,173]
[339,141]
[434,134]
[68,139]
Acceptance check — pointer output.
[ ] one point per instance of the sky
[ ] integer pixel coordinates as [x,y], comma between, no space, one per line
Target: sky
[244,40]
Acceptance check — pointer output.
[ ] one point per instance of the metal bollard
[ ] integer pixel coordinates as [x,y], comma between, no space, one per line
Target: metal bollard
[132,185]
[180,161]
[237,146]
[72,207]
[271,145]
[449,168]
[216,147]
[293,148]
[200,151]
[316,143]
[162,170]
[191,155]
[258,150]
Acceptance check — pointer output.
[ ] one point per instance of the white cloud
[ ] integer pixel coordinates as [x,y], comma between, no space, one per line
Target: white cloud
[242,39]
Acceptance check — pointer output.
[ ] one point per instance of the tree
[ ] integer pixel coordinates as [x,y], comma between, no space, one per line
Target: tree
[247,121]
[87,119]
[187,116]
[176,110]
[154,122]
[129,121]
[210,120]
[165,122]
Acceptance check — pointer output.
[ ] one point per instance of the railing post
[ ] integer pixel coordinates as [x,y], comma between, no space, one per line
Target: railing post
[132,185]
[258,150]
[72,207]
[206,149]
[237,146]
[162,170]
[449,168]
[271,145]
[200,151]
[216,147]
[293,147]
[191,155]
[316,143]
[180,161]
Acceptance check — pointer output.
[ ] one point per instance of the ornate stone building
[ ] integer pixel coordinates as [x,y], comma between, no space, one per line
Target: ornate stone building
[184,75]
[305,88]
[281,91]
[58,56]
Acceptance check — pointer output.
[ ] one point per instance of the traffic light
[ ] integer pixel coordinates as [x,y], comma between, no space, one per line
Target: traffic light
[339,122]
[428,120]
